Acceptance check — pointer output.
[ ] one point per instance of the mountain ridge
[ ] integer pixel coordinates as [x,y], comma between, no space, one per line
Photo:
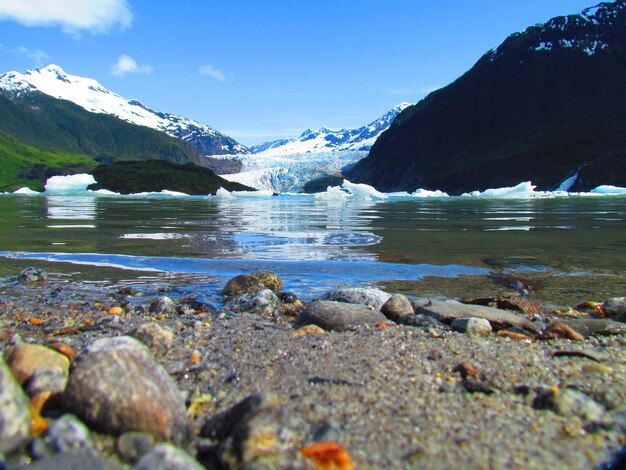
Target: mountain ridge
[329,140]
[547,103]
[92,96]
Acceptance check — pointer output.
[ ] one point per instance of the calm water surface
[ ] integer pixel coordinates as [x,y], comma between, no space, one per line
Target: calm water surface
[320,241]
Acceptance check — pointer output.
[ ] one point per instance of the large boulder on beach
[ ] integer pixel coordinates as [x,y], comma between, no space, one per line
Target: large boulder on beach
[448,310]
[117,386]
[14,416]
[338,316]
[374,298]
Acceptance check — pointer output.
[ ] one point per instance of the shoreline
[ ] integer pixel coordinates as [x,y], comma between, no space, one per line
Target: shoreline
[390,395]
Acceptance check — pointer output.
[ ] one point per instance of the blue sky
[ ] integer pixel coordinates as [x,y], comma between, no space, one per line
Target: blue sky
[260,70]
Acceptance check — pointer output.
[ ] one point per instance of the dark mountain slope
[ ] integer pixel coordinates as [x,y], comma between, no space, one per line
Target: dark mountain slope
[548,102]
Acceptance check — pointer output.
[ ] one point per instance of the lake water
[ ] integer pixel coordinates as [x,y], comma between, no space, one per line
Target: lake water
[316,244]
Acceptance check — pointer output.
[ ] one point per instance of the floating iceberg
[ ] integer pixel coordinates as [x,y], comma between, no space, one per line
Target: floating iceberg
[609,190]
[70,184]
[26,191]
[523,190]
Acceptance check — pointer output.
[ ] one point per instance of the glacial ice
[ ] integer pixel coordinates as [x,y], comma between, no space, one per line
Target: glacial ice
[68,184]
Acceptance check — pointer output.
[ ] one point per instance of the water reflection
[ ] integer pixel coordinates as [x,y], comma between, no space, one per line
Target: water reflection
[71,208]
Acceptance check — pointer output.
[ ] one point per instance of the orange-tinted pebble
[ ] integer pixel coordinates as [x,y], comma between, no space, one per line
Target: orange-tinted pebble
[513,335]
[195,357]
[327,456]
[116,311]
[64,349]
[35,321]
[383,324]
[38,425]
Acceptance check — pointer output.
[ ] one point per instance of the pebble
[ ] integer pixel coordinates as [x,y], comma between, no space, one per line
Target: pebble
[447,310]
[269,279]
[158,338]
[397,307]
[117,386]
[69,434]
[568,402]
[264,302]
[243,284]
[162,305]
[14,418]
[309,330]
[254,433]
[32,275]
[44,368]
[167,457]
[596,327]
[557,329]
[338,316]
[131,446]
[374,298]
[615,306]
[472,326]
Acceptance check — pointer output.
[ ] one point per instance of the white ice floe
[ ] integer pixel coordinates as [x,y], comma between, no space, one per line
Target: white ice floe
[26,191]
[70,184]
[523,190]
[362,191]
[609,190]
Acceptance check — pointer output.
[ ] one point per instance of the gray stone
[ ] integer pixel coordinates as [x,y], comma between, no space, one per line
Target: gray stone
[472,326]
[69,434]
[338,316]
[117,386]
[162,305]
[243,284]
[131,446]
[14,415]
[264,302]
[374,298]
[167,457]
[32,275]
[595,327]
[158,338]
[615,306]
[569,402]
[448,310]
[397,307]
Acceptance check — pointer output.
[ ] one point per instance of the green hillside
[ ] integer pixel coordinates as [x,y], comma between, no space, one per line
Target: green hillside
[42,136]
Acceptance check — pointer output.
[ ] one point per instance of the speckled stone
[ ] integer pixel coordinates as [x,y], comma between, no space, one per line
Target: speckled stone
[158,338]
[116,386]
[14,418]
[397,307]
[264,302]
[338,316]
[167,457]
[374,298]
[162,305]
[269,279]
[243,284]
[472,326]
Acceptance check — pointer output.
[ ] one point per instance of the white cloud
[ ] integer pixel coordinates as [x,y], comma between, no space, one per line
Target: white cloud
[212,72]
[126,64]
[72,16]
[38,56]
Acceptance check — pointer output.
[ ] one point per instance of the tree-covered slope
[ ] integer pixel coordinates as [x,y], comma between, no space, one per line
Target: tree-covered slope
[548,102]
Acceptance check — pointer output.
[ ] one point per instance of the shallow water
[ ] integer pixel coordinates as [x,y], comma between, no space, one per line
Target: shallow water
[318,243]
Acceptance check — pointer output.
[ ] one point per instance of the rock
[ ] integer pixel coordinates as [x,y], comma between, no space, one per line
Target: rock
[472,326]
[243,284]
[374,298]
[309,330]
[14,418]
[162,305]
[73,461]
[424,322]
[516,303]
[131,446]
[447,310]
[116,386]
[255,433]
[264,302]
[269,279]
[158,338]
[596,327]
[45,369]
[397,307]
[614,307]
[568,402]
[466,369]
[559,330]
[167,457]
[69,434]
[338,316]
[32,275]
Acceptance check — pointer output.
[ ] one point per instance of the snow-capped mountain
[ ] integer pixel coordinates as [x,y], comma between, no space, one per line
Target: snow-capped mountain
[92,96]
[328,140]
[546,104]
[287,165]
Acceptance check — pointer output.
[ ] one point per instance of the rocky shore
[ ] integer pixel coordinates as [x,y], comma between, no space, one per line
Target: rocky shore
[359,378]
